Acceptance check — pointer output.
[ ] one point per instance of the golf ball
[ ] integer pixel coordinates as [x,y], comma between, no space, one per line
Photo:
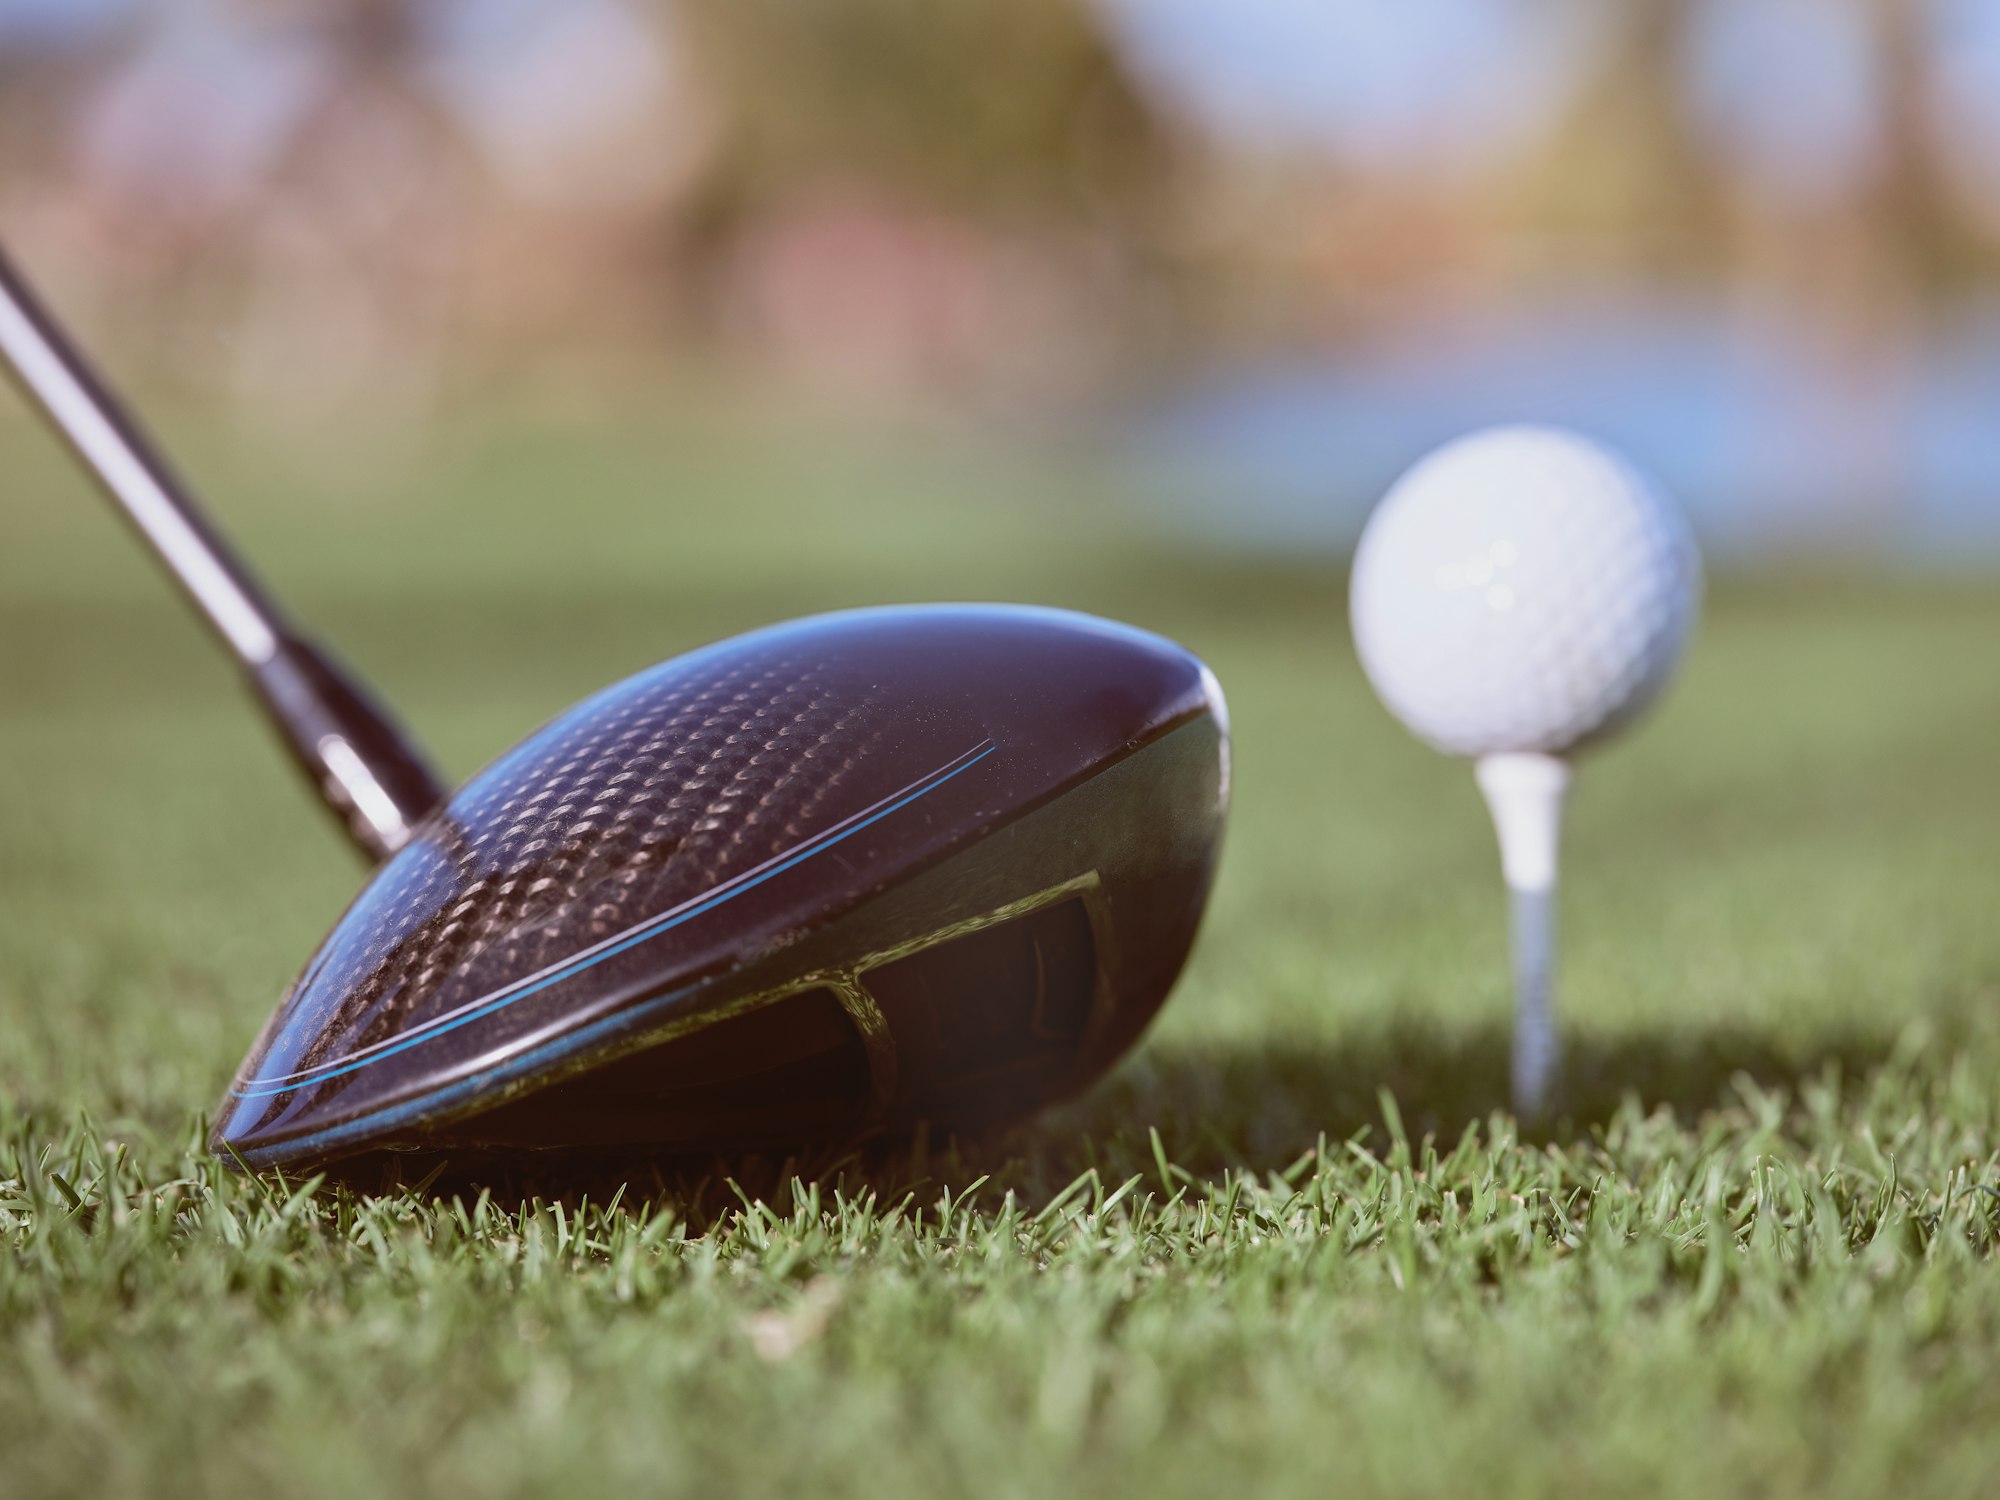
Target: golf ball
[1522,589]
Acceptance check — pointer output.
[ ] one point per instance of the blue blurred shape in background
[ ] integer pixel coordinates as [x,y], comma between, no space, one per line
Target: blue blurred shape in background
[1773,450]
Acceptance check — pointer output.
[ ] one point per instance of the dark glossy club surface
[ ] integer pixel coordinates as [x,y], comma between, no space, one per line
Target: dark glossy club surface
[825,879]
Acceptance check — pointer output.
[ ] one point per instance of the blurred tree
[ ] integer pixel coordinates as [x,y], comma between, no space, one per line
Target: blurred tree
[914,198]
[1941,244]
[966,104]
[1625,183]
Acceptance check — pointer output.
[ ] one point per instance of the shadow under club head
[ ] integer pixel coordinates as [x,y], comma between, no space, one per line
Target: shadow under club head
[815,882]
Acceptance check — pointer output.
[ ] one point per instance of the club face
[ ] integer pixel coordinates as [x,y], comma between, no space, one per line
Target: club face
[826,878]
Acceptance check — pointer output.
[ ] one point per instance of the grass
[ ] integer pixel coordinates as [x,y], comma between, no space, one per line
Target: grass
[1295,1245]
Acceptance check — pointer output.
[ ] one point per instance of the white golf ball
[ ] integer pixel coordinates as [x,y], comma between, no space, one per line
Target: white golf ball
[1523,589]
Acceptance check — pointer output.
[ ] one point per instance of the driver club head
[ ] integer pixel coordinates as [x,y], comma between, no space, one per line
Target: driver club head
[793,889]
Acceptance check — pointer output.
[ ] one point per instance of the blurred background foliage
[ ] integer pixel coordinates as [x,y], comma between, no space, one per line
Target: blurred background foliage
[982,109]
[1260,251]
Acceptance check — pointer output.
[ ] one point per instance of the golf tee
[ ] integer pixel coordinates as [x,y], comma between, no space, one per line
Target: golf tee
[1525,794]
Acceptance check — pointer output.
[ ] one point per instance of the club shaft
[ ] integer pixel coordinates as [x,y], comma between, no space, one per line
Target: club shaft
[362,765]
[132,471]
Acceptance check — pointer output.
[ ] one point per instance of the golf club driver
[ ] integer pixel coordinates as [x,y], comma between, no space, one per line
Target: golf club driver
[793,889]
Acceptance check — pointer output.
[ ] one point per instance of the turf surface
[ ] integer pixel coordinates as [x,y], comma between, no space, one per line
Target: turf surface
[1294,1246]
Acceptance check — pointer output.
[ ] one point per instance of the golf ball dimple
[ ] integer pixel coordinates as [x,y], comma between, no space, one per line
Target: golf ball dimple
[1522,589]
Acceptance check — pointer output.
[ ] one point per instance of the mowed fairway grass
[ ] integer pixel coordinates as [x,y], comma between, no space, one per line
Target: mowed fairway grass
[1295,1245]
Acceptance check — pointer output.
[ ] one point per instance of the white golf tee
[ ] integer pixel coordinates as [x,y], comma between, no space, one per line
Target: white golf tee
[1525,795]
